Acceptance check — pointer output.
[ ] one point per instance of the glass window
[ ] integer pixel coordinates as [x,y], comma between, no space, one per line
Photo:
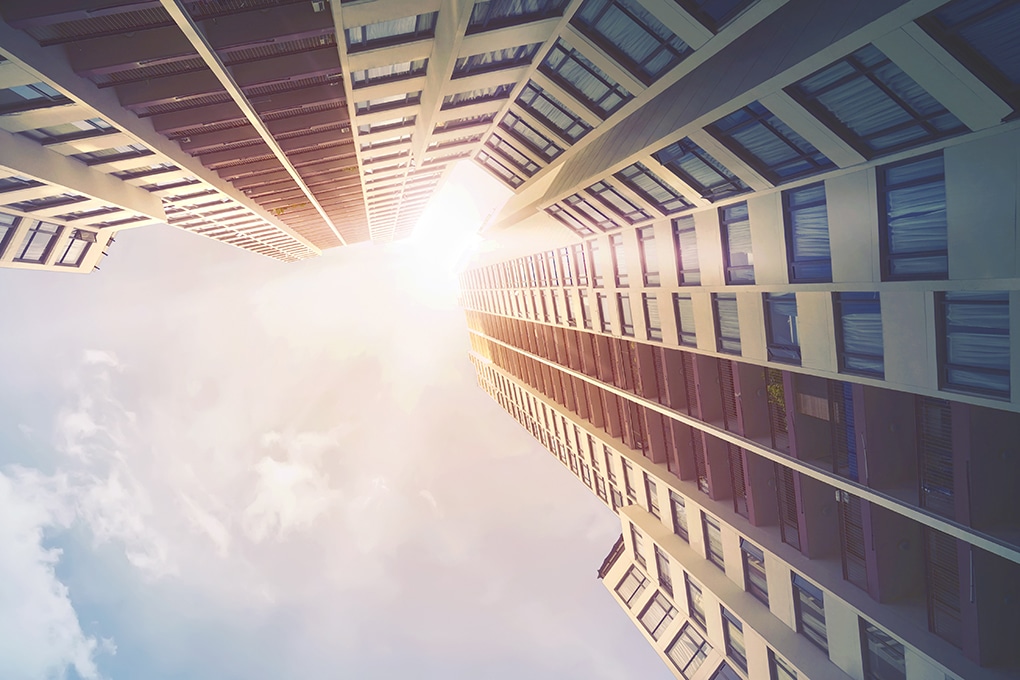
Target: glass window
[585,81]
[683,308]
[780,669]
[663,570]
[596,275]
[512,154]
[554,274]
[603,302]
[626,319]
[393,101]
[754,571]
[77,248]
[769,145]
[714,14]
[713,541]
[487,15]
[617,202]
[631,587]
[652,497]
[685,241]
[874,105]
[652,322]
[617,498]
[619,260]
[649,255]
[637,541]
[733,632]
[568,219]
[383,125]
[915,241]
[386,74]
[465,122]
[591,212]
[486,62]
[38,241]
[688,651]
[700,170]
[657,615]
[883,656]
[580,261]
[859,333]
[631,35]
[806,219]
[628,480]
[679,512]
[981,34]
[565,267]
[8,225]
[738,257]
[727,323]
[585,310]
[29,97]
[392,32]
[695,603]
[552,112]
[650,187]
[809,608]
[485,94]
[725,672]
[530,137]
[781,327]
[609,463]
[974,342]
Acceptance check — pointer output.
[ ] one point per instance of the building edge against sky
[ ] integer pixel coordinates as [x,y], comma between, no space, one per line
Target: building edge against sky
[757,289]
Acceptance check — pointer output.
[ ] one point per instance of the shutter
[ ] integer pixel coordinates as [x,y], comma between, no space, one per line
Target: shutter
[943,582]
[935,456]
[736,455]
[690,385]
[729,395]
[789,518]
[851,533]
[777,409]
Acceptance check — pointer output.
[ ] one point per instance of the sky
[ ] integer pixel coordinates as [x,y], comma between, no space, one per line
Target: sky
[214,466]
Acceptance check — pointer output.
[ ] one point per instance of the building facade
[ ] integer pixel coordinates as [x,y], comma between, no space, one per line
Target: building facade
[757,288]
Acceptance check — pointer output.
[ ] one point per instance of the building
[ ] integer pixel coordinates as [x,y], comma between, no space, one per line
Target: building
[284,127]
[757,288]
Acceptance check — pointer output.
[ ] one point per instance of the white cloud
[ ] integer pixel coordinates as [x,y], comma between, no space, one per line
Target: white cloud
[98,357]
[40,636]
[288,496]
[207,523]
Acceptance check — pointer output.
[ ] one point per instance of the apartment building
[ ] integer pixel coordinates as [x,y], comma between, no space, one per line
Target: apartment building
[764,304]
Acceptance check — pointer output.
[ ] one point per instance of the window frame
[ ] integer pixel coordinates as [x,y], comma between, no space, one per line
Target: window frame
[736,274]
[789,211]
[943,329]
[781,352]
[840,304]
[883,189]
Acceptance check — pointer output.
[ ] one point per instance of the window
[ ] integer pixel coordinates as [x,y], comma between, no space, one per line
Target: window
[738,257]
[648,186]
[980,35]
[652,496]
[685,241]
[874,105]
[617,498]
[603,302]
[591,212]
[779,669]
[77,248]
[496,167]
[974,342]
[496,60]
[391,32]
[580,261]
[679,512]
[631,35]
[806,218]
[38,242]
[683,308]
[631,587]
[565,267]
[619,260]
[626,319]
[733,632]
[511,153]
[628,480]
[30,97]
[585,310]
[754,571]
[649,256]
[383,125]
[386,74]
[688,651]
[487,15]
[912,219]
[636,541]
[485,94]
[859,333]
[600,488]
[585,81]
[530,137]
[700,170]
[657,615]
[663,571]
[714,14]
[695,604]
[596,275]
[781,327]
[8,225]
[609,463]
[554,275]
[568,219]
[713,541]
[727,323]
[653,325]
[552,112]
[617,202]
[394,101]
[883,656]
[809,609]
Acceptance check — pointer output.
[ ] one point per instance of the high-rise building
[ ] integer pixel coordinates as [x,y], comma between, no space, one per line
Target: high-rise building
[756,288]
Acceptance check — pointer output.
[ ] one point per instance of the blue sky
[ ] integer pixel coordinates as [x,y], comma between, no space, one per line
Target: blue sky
[214,465]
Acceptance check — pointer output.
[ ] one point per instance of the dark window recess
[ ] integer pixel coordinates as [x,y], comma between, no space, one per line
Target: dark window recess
[809,608]
[485,94]
[678,510]
[497,60]
[631,35]
[650,187]
[733,632]
[591,212]
[768,144]
[568,219]
[713,541]
[714,14]
[512,154]
[392,32]
[789,516]
[851,534]
[754,571]
[552,112]
[912,219]
[531,137]
[973,342]
[695,166]
[806,219]
[883,656]
[617,202]
[487,15]
[737,472]
[935,456]
[873,105]
[585,81]
[942,580]
[386,74]
[695,601]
